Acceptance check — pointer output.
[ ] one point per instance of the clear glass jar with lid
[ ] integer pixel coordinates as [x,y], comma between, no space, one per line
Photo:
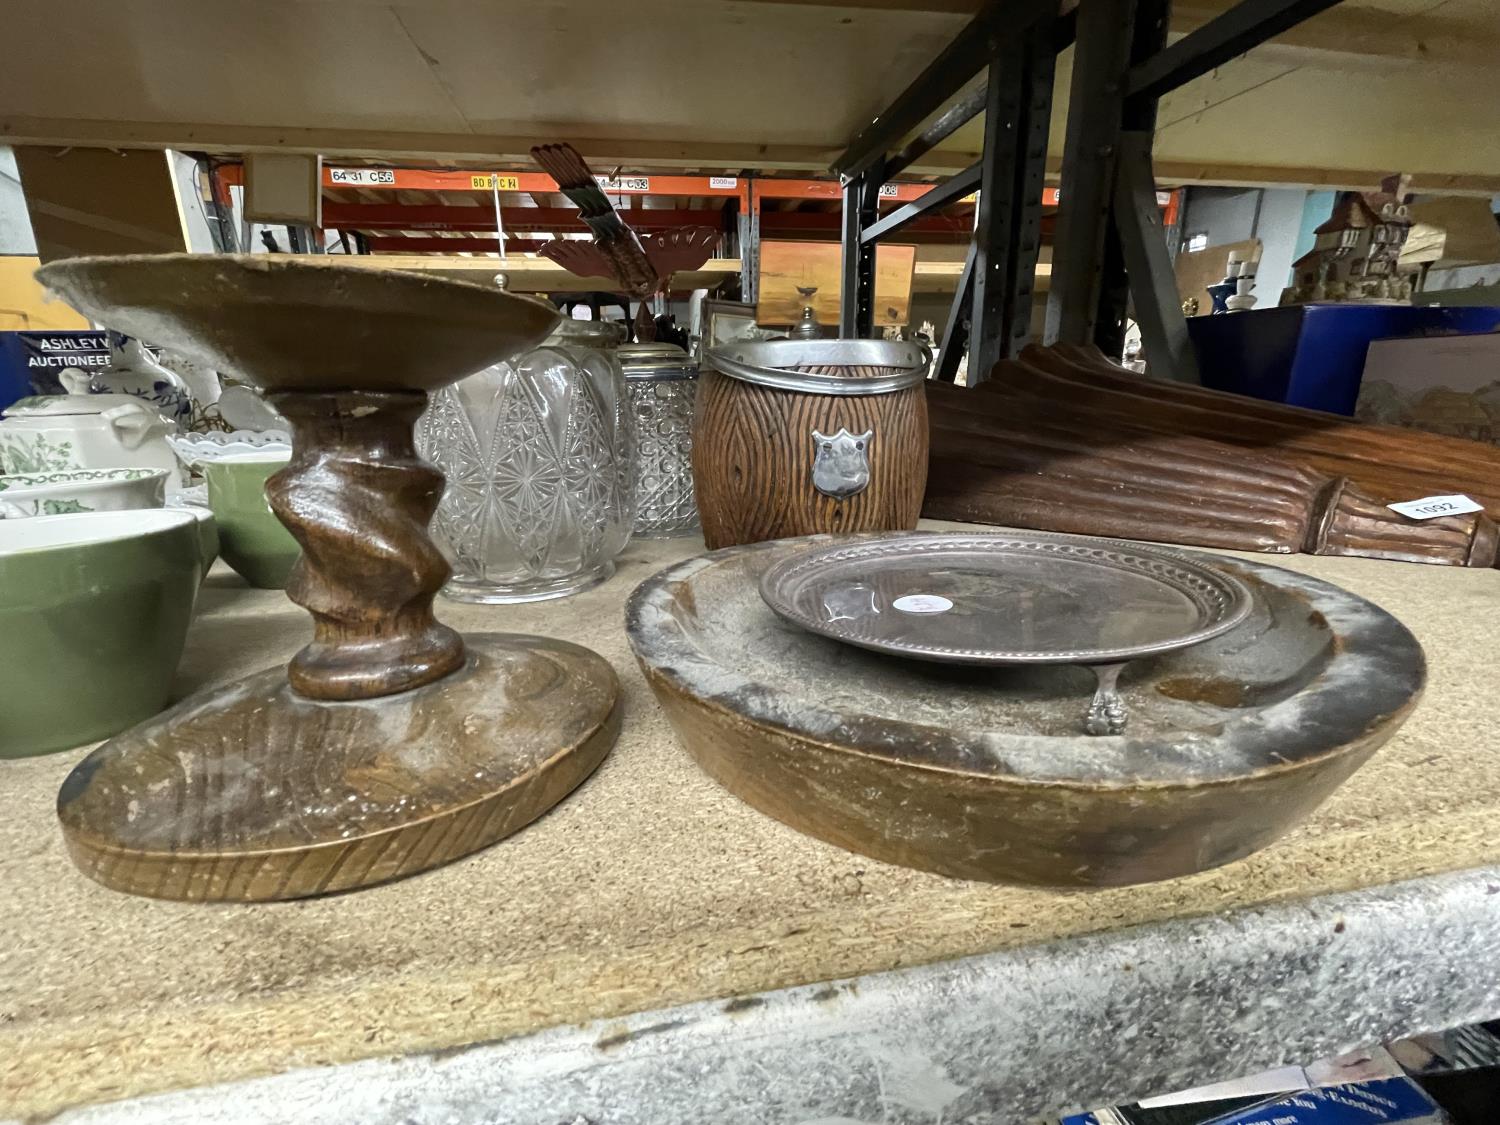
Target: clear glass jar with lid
[540,456]
[663,381]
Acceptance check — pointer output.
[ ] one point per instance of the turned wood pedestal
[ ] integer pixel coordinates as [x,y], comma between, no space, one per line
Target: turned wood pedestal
[389,744]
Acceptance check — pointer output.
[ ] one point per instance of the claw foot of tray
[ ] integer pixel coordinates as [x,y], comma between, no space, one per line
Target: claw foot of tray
[1107,713]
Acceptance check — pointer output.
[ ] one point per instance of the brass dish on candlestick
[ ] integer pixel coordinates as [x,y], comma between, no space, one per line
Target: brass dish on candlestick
[389,744]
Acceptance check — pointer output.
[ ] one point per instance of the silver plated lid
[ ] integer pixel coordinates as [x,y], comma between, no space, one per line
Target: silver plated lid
[825,367]
[657,362]
[586,333]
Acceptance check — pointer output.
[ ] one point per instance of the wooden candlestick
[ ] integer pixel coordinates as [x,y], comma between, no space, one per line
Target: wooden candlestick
[358,498]
[389,745]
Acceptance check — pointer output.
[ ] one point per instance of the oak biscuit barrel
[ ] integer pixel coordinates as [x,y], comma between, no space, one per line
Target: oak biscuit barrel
[796,437]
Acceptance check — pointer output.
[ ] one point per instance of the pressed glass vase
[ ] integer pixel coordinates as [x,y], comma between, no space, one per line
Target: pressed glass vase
[540,456]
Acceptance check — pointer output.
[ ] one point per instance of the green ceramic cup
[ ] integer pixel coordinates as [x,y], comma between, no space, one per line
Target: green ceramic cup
[94,609]
[251,539]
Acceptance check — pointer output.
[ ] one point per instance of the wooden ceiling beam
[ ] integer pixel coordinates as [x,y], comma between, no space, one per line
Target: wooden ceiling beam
[385,145]
[229,139]
[492,151]
[1177,173]
[954,7]
[1351,31]
[1348,29]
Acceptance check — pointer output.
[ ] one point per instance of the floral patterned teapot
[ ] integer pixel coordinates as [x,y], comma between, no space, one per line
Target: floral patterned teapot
[79,430]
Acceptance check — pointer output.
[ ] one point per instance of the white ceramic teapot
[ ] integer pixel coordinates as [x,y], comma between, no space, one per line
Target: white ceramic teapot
[133,371]
[78,430]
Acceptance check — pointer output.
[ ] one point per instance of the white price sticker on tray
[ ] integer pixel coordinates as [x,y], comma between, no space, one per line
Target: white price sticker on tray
[1430,507]
[922,603]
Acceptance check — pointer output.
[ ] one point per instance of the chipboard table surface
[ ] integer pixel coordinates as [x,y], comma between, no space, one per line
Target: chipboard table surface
[651,888]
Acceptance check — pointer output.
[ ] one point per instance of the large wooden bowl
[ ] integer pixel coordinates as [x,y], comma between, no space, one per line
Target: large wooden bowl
[984,774]
[304,323]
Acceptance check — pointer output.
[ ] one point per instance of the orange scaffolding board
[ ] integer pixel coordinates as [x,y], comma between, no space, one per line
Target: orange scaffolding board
[422,179]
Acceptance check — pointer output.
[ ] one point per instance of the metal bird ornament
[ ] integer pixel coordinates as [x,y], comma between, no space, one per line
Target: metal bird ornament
[642,266]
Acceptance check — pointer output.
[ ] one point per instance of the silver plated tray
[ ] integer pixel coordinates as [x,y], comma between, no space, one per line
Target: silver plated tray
[1006,599]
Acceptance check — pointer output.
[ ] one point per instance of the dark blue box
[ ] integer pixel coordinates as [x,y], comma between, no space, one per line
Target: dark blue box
[1385,1101]
[1314,355]
[30,361]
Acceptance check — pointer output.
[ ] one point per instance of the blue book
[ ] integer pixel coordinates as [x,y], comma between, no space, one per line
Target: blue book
[1386,1101]
[1382,1101]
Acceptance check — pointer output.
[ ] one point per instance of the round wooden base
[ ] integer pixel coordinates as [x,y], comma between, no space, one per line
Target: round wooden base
[250,792]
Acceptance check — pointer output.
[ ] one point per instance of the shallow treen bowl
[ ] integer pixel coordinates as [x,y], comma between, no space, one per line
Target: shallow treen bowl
[69,491]
[983,773]
[94,609]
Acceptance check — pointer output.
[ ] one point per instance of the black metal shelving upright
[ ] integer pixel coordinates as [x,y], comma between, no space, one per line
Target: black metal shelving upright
[1109,244]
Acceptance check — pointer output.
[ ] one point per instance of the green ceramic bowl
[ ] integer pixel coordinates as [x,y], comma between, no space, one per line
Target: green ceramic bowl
[94,609]
[208,529]
[251,538]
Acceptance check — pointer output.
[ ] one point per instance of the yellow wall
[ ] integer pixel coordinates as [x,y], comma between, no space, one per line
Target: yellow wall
[25,305]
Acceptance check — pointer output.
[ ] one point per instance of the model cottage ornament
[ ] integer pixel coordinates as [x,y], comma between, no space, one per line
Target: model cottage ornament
[1357,253]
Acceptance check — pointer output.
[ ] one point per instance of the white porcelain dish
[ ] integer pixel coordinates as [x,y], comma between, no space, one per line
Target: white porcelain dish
[194,450]
[69,491]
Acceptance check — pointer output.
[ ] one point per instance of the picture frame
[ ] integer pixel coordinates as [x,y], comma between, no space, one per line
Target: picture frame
[723,321]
